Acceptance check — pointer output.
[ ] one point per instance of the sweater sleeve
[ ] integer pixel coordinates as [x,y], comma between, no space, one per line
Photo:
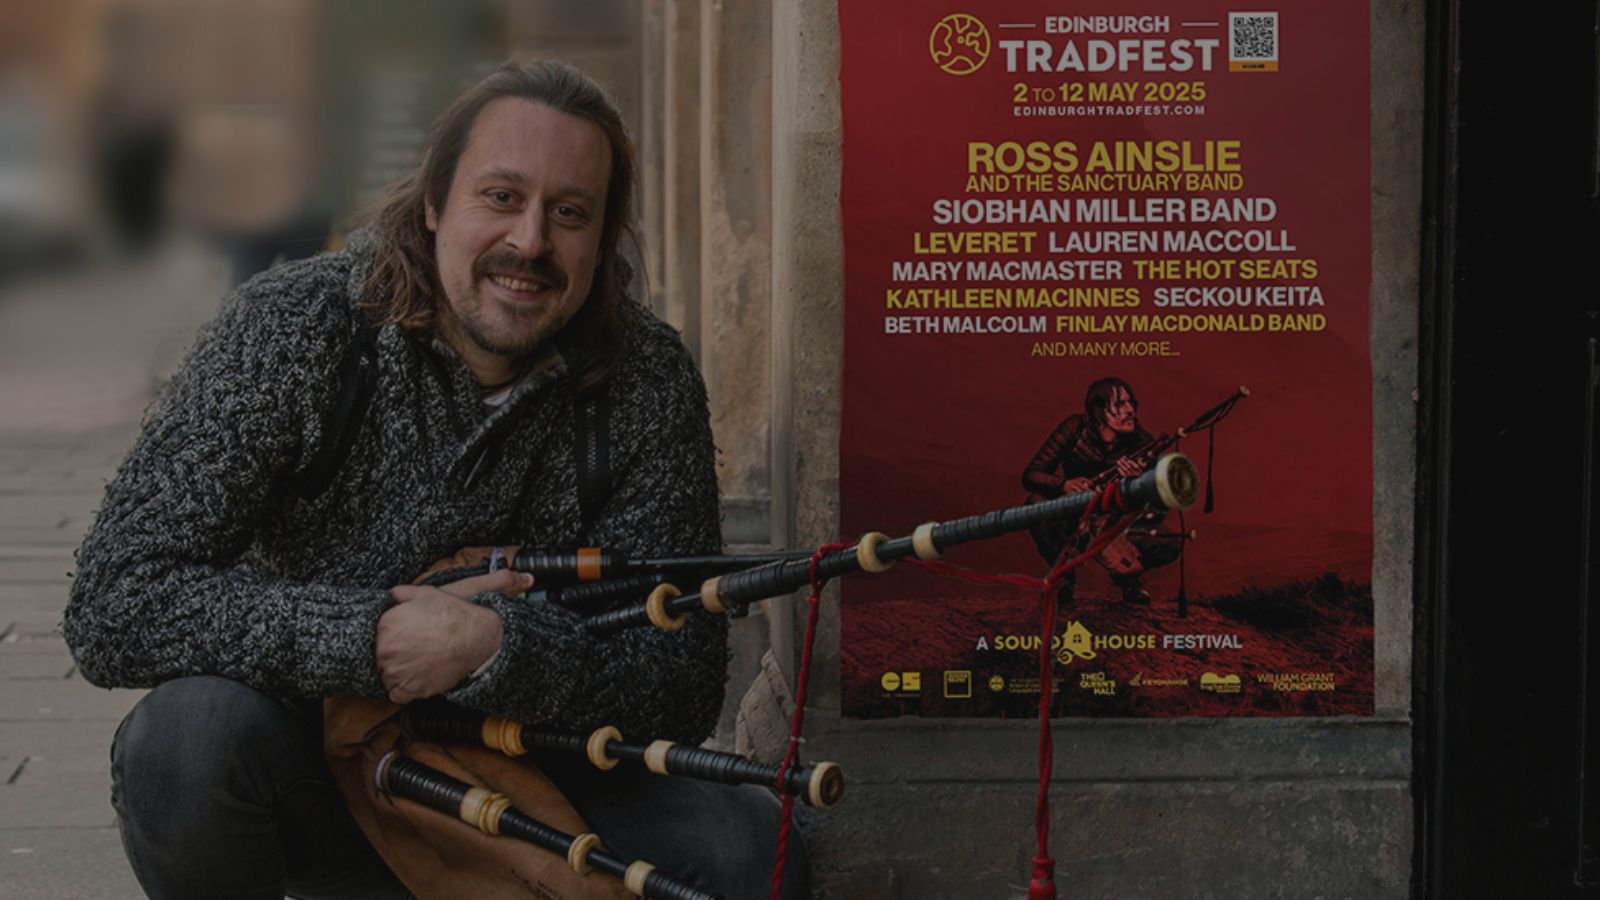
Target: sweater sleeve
[648,683]
[160,589]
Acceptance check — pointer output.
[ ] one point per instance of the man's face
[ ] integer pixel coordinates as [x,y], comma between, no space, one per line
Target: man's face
[1121,414]
[518,237]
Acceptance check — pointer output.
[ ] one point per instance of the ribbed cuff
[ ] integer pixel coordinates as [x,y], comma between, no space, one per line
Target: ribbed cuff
[538,668]
[335,641]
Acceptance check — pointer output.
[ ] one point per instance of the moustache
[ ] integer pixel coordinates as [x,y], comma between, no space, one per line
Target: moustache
[505,262]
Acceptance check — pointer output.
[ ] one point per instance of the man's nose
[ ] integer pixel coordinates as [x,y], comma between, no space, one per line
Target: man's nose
[529,234]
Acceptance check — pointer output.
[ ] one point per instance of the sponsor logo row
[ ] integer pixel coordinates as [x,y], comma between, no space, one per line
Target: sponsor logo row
[958,684]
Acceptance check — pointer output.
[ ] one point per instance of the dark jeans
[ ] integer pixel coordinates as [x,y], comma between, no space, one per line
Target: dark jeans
[222,792]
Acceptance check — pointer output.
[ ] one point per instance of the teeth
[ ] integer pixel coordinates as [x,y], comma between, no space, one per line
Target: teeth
[517,284]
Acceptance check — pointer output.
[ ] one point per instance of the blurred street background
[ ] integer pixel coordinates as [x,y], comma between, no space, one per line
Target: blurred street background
[81,354]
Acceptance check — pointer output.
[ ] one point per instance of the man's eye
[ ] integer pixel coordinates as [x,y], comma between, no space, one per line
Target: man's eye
[503,198]
[568,213]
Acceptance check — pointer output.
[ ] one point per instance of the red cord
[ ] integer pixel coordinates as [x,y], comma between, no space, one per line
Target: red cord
[795,723]
[1108,500]
[1043,886]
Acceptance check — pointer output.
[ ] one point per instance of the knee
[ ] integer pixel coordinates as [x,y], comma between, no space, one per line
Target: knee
[198,741]
[751,820]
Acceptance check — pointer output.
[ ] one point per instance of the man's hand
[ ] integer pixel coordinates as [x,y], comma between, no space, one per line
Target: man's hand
[1127,468]
[1076,485]
[431,639]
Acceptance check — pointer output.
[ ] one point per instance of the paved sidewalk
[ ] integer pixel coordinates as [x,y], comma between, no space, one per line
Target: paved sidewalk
[81,355]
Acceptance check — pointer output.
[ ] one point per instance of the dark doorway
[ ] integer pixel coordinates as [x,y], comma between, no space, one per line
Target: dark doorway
[1508,736]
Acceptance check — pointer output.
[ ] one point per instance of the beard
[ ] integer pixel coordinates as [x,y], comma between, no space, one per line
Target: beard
[511,333]
[515,331]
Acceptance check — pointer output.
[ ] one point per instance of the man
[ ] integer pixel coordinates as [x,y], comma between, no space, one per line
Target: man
[493,286]
[1102,438]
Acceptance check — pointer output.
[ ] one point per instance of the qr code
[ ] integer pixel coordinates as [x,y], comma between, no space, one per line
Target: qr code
[1253,37]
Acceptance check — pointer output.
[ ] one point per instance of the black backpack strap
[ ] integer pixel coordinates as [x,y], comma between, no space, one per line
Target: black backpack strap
[591,424]
[358,381]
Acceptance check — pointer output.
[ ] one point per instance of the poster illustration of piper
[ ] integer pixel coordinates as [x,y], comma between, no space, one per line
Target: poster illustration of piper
[1074,243]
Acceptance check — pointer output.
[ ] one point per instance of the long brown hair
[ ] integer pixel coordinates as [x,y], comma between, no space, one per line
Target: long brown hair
[1100,394]
[403,287]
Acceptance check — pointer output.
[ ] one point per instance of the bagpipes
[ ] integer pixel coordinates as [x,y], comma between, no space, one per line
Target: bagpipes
[440,759]
[1205,422]
[1171,484]
[1127,553]
[589,576]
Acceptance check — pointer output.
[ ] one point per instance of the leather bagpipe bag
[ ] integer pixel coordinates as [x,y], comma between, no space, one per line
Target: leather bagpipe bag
[435,855]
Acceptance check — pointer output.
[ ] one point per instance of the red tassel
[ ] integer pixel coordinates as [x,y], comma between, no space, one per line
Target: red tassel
[1044,879]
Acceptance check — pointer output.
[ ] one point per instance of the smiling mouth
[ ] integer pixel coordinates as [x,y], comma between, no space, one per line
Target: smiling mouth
[519,284]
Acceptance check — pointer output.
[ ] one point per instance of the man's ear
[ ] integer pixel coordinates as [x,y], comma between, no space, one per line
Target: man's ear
[430,217]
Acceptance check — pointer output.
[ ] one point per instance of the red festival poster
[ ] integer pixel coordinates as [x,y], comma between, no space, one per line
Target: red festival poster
[1076,235]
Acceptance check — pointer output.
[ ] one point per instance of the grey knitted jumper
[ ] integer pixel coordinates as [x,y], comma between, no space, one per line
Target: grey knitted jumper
[200,560]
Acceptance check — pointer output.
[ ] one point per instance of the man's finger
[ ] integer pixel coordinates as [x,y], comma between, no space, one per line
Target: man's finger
[398,687]
[504,581]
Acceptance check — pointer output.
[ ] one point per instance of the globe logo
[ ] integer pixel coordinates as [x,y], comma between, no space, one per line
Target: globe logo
[959,44]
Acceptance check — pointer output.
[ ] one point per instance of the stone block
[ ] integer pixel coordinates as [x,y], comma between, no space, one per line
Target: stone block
[1113,750]
[1293,840]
